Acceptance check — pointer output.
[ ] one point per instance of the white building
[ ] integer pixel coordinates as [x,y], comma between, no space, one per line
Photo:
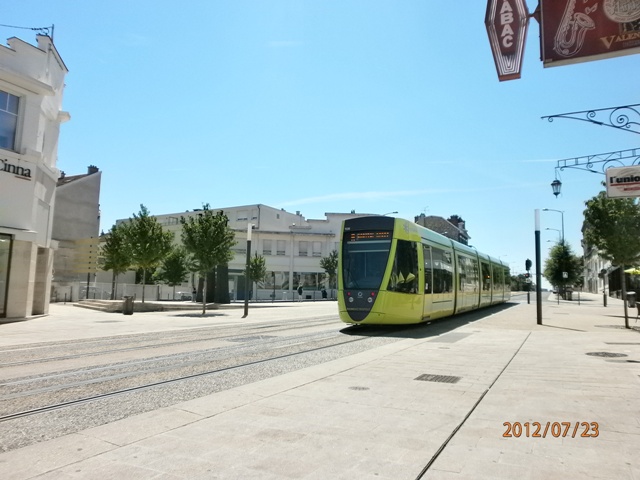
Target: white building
[31,88]
[291,245]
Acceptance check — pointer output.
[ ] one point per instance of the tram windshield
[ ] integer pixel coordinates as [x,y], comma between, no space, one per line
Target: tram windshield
[364,259]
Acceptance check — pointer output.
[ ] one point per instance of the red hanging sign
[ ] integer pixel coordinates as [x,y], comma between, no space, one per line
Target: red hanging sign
[507,22]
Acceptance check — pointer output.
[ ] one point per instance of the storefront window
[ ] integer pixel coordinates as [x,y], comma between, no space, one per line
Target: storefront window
[5,255]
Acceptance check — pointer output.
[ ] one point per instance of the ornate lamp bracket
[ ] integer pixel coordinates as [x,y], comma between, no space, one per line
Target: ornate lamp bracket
[625,117]
[603,161]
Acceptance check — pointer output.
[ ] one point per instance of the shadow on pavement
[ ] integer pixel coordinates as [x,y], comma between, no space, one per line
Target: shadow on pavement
[431,328]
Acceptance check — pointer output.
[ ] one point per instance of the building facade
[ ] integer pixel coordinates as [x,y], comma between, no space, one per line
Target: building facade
[31,90]
[453,227]
[76,229]
[291,245]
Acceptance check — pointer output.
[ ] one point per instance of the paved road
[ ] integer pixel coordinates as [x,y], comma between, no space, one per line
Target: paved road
[490,395]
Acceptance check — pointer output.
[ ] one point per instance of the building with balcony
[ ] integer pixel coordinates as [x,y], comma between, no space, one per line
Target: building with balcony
[31,90]
[291,245]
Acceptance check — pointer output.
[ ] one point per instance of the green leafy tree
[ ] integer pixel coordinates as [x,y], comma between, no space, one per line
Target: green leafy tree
[330,266]
[257,269]
[174,269]
[612,225]
[115,254]
[148,243]
[562,261]
[208,239]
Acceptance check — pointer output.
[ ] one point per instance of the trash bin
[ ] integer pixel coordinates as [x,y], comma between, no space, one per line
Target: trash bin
[631,299]
[127,305]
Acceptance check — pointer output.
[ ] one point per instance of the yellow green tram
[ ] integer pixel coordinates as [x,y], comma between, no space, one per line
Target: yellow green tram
[392,271]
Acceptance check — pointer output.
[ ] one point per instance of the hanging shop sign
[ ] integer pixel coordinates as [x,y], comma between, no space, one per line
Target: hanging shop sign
[623,182]
[574,31]
[506,22]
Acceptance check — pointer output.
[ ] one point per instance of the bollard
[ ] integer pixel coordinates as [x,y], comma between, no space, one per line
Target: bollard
[127,305]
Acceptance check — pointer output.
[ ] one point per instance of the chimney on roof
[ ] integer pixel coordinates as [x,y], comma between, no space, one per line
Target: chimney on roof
[62,174]
[92,169]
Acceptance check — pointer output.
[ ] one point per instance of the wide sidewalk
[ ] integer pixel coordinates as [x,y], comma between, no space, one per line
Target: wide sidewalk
[495,397]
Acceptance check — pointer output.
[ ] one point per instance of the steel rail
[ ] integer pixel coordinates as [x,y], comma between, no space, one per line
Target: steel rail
[81,401]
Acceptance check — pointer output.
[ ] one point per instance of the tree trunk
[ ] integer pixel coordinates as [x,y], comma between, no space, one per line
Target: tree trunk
[623,284]
[144,281]
[113,286]
[204,296]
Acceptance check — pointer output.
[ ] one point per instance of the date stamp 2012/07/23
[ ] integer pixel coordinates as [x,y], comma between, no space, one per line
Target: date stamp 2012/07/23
[551,429]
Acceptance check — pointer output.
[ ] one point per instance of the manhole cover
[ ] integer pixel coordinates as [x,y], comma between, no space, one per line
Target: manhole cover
[427,377]
[606,354]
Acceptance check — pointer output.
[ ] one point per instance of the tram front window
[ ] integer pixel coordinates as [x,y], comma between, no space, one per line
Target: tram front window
[364,262]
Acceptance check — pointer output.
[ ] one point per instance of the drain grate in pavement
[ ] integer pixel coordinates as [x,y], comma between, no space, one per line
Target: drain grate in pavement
[606,354]
[622,343]
[450,337]
[427,377]
[361,389]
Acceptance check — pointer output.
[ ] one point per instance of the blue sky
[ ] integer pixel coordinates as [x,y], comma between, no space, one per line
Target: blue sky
[326,106]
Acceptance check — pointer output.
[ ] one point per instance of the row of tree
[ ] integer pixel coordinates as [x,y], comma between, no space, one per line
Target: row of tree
[612,226]
[206,249]
[141,243]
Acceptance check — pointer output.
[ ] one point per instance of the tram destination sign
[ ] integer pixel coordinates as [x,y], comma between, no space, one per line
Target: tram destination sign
[574,31]
[507,22]
[623,182]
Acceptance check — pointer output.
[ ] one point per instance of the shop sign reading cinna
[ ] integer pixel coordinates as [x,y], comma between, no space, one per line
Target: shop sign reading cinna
[507,22]
[17,170]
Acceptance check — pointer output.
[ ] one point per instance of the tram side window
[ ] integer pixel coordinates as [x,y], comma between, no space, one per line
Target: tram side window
[404,276]
[428,269]
[486,277]
[468,274]
[442,271]
[498,282]
[506,282]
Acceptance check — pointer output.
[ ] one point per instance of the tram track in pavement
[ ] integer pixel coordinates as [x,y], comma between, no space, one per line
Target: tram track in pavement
[141,341]
[73,409]
[227,361]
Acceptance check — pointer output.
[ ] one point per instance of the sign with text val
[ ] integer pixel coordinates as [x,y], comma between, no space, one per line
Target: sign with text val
[576,31]
[506,22]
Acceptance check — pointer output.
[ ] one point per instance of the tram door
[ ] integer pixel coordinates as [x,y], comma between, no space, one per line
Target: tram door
[428,281]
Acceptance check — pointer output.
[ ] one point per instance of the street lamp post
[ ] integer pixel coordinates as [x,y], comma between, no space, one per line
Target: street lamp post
[247,280]
[559,237]
[561,213]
